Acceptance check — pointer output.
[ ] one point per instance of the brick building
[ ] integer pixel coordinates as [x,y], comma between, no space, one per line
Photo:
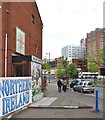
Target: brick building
[21,40]
[95,41]
[81,64]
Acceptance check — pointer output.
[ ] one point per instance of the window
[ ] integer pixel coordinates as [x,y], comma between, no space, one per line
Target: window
[89,83]
[32,18]
[102,40]
[102,36]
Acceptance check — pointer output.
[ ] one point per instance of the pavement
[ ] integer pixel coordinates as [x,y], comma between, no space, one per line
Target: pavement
[56,104]
[54,99]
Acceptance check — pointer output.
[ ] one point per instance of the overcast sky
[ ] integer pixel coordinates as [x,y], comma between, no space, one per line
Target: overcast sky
[66,22]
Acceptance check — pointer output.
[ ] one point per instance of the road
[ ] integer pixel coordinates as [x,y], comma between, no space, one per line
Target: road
[89,99]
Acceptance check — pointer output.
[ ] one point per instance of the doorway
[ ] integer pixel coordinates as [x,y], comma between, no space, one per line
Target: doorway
[17,70]
[21,69]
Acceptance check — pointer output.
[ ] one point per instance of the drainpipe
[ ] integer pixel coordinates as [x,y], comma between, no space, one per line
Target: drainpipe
[6,39]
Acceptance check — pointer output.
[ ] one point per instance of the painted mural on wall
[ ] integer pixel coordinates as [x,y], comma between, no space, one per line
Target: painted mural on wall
[15,93]
[36,80]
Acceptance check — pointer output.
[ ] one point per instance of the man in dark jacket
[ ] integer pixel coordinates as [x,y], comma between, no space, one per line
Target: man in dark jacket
[59,83]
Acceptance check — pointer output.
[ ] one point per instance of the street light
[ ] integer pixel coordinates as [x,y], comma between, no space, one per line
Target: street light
[49,64]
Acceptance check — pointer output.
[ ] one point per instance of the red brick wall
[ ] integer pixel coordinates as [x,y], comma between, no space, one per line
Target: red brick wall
[81,63]
[20,15]
[0,40]
[97,37]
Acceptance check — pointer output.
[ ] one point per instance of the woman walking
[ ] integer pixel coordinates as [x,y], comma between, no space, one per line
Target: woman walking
[59,83]
[64,85]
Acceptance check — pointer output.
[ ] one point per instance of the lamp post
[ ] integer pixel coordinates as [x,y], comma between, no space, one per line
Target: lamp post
[49,64]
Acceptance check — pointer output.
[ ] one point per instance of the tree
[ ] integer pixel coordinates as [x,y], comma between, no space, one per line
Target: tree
[72,70]
[96,62]
[65,66]
[92,67]
[60,71]
[46,66]
[67,69]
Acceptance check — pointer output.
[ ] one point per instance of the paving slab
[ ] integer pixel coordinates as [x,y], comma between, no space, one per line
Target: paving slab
[45,101]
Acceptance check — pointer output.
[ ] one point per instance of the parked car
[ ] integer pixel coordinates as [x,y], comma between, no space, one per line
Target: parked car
[75,82]
[84,86]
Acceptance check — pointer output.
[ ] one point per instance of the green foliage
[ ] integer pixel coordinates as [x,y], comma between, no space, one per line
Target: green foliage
[46,65]
[92,67]
[67,69]
[72,70]
[65,66]
[97,61]
[60,71]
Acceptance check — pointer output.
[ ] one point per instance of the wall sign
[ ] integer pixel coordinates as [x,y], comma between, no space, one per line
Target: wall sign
[20,41]
[15,93]
[35,59]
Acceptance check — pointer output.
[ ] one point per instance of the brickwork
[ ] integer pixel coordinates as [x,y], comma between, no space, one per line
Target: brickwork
[20,15]
[95,42]
[80,63]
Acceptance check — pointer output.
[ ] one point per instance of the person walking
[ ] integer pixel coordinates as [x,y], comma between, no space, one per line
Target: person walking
[64,85]
[59,84]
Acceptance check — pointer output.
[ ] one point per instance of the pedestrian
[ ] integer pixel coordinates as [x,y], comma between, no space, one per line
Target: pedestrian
[59,84]
[67,79]
[64,84]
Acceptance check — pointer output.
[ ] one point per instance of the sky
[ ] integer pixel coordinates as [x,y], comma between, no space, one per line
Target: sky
[66,22]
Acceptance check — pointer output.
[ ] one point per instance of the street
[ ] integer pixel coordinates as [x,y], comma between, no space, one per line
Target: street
[50,50]
[65,99]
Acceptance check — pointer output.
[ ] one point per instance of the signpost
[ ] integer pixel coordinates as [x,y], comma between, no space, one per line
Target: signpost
[49,64]
[97,100]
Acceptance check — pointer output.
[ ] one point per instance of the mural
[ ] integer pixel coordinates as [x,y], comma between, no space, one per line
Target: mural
[36,80]
[15,93]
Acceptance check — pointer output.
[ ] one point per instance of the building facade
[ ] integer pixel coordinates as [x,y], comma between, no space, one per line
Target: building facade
[72,51]
[22,29]
[76,54]
[95,42]
[81,64]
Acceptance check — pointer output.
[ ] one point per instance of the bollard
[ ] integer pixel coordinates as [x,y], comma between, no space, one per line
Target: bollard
[97,100]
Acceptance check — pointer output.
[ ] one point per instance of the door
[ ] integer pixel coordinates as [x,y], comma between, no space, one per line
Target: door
[21,69]
[17,70]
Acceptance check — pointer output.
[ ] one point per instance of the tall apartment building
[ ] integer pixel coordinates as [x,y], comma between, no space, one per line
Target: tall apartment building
[95,41]
[72,51]
[76,55]
[21,41]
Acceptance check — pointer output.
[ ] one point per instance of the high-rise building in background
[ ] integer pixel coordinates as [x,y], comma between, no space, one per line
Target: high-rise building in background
[75,52]
[76,55]
[95,42]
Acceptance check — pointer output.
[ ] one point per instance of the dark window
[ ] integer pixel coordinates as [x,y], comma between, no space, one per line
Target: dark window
[32,18]
[89,83]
